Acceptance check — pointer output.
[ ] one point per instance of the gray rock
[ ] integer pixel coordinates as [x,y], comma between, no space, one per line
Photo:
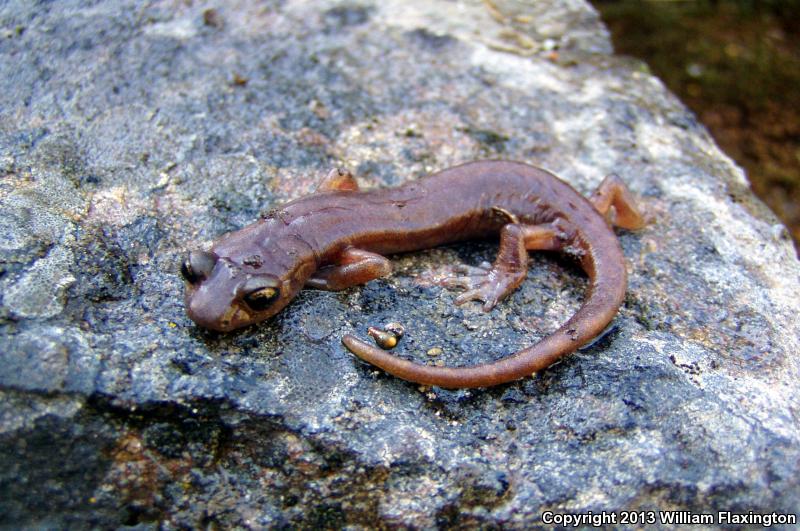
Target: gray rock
[131,131]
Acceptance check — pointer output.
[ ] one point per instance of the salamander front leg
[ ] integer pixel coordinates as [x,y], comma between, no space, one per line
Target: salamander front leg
[612,192]
[354,266]
[492,283]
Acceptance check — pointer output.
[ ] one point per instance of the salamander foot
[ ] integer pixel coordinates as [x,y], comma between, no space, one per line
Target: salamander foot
[486,283]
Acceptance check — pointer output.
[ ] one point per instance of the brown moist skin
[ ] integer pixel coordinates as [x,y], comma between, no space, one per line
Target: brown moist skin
[336,238]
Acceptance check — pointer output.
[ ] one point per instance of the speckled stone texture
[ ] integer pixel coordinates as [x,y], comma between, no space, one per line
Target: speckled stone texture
[132,131]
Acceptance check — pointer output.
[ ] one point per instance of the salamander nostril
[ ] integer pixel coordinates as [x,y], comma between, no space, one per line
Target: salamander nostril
[198,265]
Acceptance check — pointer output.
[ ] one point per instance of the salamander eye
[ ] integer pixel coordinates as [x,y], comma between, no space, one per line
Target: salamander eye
[262,298]
[198,265]
[259,292]
[187,272]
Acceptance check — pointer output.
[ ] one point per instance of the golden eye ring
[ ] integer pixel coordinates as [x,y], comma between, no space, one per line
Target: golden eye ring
[262,298]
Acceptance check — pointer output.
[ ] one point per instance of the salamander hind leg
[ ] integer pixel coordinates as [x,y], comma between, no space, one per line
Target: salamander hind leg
[612,192]
[338,180]
[353,267]
[491,283]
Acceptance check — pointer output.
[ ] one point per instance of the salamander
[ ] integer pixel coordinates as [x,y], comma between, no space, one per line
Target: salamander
[337,238]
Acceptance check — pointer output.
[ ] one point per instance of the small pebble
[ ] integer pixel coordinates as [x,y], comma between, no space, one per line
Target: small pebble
[395,328]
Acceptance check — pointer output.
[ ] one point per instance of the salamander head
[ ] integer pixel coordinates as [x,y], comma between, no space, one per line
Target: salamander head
[223,293]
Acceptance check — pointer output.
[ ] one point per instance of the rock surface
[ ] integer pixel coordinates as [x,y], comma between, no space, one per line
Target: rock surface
[131,131]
